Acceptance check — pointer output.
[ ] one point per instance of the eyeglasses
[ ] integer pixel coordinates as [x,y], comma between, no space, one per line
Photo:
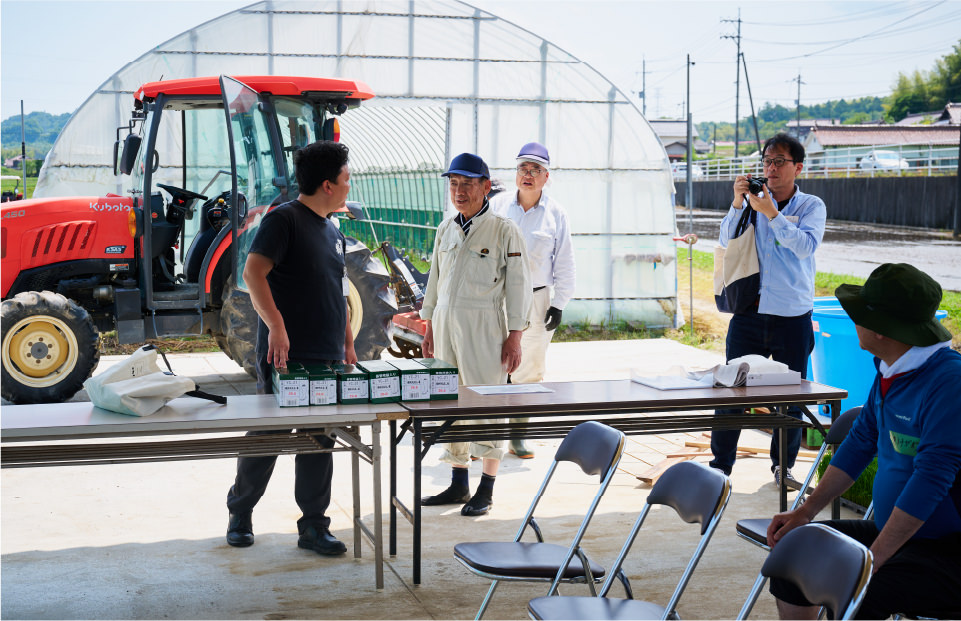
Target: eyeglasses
[777,162]
[530,171]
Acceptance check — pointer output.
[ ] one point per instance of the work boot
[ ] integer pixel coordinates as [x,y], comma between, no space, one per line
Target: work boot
[319,539]
[521,450]
[453,495]
[479,504]
[240,530]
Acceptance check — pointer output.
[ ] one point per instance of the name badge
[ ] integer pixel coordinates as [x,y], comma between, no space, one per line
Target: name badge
[792,219]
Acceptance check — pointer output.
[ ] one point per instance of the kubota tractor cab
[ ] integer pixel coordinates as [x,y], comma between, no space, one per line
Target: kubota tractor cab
[204,159]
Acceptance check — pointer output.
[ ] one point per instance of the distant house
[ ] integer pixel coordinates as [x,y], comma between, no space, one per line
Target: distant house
[950,115]
[673,135]
[807,125]
[841,146]
[14,162]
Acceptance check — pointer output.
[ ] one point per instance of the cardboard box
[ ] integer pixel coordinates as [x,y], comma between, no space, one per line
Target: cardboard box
[773,379]
[322,389]
[384,380]
[414,380]
[443,378]
[352,384]
[290,385]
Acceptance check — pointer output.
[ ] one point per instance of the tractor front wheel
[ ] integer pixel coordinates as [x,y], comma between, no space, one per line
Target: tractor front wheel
[50,347]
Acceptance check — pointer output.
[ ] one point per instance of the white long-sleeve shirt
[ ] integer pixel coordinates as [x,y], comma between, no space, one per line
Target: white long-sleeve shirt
[547,234]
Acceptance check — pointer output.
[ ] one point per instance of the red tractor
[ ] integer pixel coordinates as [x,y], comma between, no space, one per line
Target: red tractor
[207,158]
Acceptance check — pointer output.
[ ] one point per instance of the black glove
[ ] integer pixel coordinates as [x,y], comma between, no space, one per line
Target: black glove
[552,319]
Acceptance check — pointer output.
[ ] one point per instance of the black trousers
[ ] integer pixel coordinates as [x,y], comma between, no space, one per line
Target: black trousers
[313,472]
[788,340]
[922,579]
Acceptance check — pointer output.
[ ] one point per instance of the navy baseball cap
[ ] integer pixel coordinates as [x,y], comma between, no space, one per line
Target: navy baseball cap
[468,165]
[534,152]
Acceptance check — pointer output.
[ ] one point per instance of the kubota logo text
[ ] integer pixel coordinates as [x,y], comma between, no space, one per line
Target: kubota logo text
[109,207]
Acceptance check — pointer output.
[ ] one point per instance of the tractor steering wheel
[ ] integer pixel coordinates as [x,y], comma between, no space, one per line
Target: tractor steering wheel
[182,200]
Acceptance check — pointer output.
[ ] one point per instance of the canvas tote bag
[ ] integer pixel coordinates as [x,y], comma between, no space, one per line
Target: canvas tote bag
[737,273]
[138,387]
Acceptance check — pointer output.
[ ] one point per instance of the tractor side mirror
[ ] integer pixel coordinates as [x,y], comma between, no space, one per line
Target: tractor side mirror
[241,206]
[128,158]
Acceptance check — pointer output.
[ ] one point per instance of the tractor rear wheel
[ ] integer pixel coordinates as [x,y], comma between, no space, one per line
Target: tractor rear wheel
[50,347]
[371,301]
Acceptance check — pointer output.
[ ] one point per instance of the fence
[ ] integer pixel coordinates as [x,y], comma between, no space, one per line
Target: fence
[927,202]
[902,160]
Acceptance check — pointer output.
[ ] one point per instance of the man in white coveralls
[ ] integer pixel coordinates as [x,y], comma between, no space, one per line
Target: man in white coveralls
[477,303]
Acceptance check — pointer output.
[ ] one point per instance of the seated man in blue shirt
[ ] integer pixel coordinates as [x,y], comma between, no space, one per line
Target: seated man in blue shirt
[911,422]
[788,229]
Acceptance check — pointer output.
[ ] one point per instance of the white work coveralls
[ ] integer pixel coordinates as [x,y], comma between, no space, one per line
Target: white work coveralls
[479,289]
[547,233]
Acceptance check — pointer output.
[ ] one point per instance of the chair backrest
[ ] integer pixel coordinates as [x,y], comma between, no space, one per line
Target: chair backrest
[840,428]
[593,446]
[692,490]
[830,569]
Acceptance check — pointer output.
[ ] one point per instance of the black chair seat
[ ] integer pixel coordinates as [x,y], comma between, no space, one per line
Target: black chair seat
[755,530]
[521,560]
[593,608]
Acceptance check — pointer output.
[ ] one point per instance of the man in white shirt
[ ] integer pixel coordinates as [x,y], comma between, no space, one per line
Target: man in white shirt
[547,233]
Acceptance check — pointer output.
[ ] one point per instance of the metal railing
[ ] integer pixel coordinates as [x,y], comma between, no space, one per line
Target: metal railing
[910,160]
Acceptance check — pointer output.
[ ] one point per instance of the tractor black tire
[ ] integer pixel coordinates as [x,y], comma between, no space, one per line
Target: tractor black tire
[238,327]
[55,333]
[371,301]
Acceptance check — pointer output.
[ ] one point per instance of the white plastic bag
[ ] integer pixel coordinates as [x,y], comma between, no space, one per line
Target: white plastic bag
[137,386]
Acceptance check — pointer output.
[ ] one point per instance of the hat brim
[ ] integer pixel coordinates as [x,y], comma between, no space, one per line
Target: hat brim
[921,334]
[534,160]
[465,173]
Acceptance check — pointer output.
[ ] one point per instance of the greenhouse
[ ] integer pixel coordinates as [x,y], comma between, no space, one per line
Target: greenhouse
[448,78]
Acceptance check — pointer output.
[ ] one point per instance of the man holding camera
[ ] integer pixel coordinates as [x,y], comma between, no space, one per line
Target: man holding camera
[789,225]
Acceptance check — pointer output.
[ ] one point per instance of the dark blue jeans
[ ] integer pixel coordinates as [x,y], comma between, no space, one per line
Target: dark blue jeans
[788,340]
[312,471]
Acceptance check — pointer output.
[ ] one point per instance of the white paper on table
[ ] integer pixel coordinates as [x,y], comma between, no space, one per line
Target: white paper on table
[676,378]
[509,389]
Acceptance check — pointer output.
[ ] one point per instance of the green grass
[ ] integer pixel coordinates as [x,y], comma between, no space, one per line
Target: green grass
[9,185]
[861,492]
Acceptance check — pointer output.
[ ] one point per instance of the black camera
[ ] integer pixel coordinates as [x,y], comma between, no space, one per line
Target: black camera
[755,185]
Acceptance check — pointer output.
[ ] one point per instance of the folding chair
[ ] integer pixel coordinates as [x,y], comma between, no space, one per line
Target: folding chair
[699,495]
[754,530]
[597,449]
[830,569]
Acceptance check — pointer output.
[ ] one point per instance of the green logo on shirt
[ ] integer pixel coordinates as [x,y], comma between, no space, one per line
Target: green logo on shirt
[904,444]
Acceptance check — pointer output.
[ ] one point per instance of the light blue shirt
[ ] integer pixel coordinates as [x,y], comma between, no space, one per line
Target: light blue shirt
[785,252]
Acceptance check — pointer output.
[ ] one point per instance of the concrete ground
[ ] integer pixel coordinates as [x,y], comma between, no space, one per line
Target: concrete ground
[146,541]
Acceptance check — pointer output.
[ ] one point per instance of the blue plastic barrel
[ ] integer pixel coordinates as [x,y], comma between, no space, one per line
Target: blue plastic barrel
[838,359]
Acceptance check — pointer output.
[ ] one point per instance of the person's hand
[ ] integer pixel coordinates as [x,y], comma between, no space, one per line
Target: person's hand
[427,347]
[350,355]
[783,523]
[764,205]
[552,319]
[511,351]
[740,191]
[278,346]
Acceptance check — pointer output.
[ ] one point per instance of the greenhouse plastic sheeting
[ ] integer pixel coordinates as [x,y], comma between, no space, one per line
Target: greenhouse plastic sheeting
[449,78]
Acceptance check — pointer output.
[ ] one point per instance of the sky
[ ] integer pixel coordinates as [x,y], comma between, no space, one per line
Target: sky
[54,54]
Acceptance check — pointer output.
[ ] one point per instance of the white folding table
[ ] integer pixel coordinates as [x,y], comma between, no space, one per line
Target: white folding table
[64,434]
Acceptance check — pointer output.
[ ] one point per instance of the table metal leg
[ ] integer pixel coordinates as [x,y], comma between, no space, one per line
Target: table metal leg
[355,477]
[417,493]
[836,503]
[392,483]
[782,449]
[378,505]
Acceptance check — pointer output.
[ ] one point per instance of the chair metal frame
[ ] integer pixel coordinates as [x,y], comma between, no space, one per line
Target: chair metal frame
[746,528]
[676,490]
[816,548]
[569,450]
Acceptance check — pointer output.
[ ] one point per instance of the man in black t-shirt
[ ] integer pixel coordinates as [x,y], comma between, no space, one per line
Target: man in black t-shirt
[297,278]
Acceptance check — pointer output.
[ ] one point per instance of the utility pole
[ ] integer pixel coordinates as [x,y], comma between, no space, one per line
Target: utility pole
[689,198]
[799,83]
[737,88]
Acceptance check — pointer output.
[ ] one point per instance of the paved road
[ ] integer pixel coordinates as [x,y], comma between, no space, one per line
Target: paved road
[855,248]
